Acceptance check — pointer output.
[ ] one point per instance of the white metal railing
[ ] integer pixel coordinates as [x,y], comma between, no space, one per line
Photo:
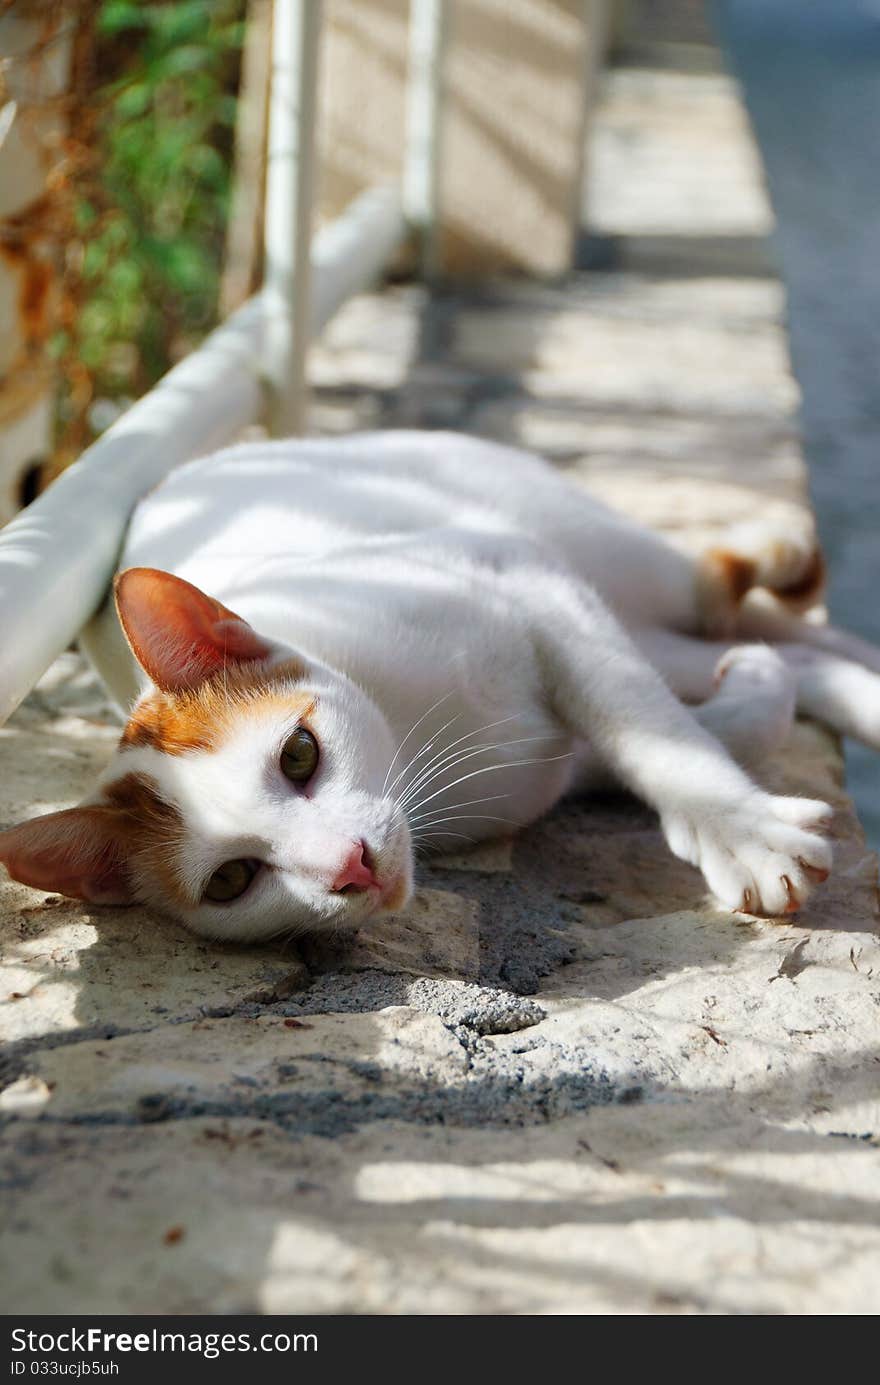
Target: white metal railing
[287,221]
[57,556]
[424,91]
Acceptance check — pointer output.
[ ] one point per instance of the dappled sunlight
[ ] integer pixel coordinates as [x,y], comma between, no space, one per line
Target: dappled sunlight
[442,1183]
[309,1265]
[40,974]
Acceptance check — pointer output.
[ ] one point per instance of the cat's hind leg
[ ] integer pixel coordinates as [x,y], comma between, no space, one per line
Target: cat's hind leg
[781,557]
[824,685]
[746,694]
[760,619]
[749,703]
[753,706]
[837,691]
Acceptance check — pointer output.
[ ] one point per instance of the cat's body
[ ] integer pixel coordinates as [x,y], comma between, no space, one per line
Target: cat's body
[441,619]
[347,547]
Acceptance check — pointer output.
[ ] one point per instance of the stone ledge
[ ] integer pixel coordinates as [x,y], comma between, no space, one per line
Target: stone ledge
[198,1128]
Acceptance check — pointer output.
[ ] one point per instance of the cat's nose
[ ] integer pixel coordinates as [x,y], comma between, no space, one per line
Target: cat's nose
[356,871]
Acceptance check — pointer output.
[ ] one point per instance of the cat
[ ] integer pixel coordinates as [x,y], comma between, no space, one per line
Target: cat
[331,653]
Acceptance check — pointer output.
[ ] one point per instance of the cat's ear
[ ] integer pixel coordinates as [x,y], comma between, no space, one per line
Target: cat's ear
[77,852]
[178,635]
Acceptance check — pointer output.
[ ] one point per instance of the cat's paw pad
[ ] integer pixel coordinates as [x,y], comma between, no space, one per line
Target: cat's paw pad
[762,856]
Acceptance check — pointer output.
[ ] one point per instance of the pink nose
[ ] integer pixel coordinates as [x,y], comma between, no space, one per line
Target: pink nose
[356,871]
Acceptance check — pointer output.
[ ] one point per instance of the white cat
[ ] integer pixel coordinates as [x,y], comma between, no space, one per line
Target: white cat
[347,648]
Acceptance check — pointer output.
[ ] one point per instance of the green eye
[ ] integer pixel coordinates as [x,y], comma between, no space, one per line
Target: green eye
[299,758]
[230,880]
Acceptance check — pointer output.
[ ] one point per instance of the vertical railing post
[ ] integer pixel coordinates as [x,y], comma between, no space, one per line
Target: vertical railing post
[424,100]
[296,30]
[597,19]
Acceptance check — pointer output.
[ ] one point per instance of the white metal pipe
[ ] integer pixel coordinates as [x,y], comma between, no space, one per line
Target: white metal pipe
[57,556]
[352,251]
[597,34]
[296,30]
[428,28]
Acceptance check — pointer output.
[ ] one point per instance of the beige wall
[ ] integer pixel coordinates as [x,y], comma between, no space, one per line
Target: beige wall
[513,123]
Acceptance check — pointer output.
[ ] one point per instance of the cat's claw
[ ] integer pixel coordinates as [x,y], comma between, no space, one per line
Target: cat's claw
[762,856]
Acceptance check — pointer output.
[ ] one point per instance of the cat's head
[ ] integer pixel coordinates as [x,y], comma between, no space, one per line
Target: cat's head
[246,796]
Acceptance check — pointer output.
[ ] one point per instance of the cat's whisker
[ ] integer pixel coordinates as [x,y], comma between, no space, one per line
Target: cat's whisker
[468,817]
[415,727]
[452,762]
[426,849]
[423,818]
[419,777]
[449,807]
[446,752]
[462,835]
[389,788]
[288,934]
[488,769]
[286,930]
[449,753]
[426,746]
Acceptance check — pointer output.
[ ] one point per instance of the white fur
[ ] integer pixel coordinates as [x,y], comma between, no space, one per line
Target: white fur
[465,603]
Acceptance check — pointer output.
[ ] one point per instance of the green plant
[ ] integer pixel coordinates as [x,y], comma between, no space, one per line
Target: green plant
[151,214]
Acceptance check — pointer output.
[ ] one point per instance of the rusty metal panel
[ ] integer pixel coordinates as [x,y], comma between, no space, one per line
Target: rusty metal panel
[35,50]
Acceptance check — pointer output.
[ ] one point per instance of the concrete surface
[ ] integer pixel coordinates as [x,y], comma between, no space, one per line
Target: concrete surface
[565,1081]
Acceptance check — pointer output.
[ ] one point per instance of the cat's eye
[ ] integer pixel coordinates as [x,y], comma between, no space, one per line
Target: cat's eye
[299,758]
[230,880]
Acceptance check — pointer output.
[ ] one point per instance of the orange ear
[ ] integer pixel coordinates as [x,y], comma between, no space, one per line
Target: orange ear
[178,635]
[77,852]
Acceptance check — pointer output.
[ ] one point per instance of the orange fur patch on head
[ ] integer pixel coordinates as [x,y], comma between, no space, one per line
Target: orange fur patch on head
[201,718]
[152,831]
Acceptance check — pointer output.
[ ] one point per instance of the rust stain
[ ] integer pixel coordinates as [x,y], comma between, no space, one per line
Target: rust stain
[34,293]
[25,240]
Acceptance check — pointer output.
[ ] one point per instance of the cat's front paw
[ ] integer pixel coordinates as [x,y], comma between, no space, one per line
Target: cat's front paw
[761,856]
